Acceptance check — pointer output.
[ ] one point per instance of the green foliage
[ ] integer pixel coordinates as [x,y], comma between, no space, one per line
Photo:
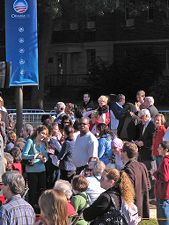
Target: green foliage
[149,222]
[159,90]
[127,76]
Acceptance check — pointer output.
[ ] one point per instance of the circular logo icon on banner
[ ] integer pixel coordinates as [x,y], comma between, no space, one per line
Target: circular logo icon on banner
[20,6]
[21,40]
[21,61]
[21,50]
[21,29]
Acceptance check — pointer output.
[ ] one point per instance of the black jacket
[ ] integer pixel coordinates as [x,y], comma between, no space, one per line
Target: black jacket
[102,204]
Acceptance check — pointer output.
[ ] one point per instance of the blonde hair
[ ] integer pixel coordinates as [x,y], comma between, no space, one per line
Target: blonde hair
[53,205]
[163,121]
[1,100]
[103,98]
[123,181]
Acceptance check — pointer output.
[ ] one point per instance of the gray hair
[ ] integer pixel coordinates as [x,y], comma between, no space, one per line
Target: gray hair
[60,105]
[29,128]
[15,181]
[144,112]
[150,100]
[9,158]
[98,168]
[64,186]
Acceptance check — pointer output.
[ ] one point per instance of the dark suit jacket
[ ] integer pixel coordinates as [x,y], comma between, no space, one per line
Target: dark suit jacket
[145,152]
[139,176]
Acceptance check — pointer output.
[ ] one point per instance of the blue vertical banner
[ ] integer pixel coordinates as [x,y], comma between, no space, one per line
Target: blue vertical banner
[21,41]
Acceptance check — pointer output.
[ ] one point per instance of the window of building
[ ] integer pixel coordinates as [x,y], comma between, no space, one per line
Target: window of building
[91,57]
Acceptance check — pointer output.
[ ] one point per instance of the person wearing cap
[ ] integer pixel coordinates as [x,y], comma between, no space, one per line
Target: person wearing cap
[117,145]
[138,174]
[162,184]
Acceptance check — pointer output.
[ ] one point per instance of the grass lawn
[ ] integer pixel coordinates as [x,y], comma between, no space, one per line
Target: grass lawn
[149,222]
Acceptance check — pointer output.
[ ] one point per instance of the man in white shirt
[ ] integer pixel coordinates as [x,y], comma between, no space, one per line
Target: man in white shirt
[86,146]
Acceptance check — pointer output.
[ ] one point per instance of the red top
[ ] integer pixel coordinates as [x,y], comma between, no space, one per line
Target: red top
[162,180]
[70,209]
[17,166]
[106,117]
[157,139]
[2,199]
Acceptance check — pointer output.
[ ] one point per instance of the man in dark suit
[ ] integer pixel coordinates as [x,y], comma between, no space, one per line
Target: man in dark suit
[139,176]
[144,143]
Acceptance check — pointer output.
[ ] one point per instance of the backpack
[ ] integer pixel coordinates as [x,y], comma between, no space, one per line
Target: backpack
[130,213]
[80,213]
[113,216]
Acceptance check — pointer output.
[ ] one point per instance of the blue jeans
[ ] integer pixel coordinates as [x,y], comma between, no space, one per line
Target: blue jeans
[158,160]
[163,211]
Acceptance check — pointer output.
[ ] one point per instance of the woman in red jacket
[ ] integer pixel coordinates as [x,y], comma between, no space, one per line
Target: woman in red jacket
[159,121]
[162,185]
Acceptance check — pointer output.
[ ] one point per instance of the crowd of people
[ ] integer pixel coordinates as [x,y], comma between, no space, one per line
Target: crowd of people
[86,163]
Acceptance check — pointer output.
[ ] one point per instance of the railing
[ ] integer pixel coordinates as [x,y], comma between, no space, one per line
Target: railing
[53,80]
[32,116]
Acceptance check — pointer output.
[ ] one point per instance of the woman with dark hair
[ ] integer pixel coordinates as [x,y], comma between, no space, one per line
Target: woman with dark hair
[67,168]
[104,149]
[35,155]
[66,121]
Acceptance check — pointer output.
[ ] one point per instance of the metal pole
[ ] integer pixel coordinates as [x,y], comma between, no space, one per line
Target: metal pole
[19,108]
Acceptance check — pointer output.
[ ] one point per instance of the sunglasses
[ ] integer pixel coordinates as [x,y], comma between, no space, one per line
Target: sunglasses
[83,124]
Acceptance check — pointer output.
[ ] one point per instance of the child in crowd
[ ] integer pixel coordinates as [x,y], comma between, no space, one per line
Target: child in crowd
[8,161]
[80,199]
[11,135]
[16,153]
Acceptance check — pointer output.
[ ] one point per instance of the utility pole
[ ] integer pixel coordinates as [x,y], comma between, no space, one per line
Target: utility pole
[19,109]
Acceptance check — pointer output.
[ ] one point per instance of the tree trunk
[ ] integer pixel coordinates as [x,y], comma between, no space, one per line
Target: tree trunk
[45,35]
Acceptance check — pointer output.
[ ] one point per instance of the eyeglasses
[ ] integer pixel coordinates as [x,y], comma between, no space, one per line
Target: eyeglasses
[66,122]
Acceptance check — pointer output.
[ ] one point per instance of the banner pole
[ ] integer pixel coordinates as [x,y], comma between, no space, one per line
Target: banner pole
[19,109]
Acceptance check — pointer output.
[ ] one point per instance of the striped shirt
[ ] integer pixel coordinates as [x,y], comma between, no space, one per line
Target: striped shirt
[17,212]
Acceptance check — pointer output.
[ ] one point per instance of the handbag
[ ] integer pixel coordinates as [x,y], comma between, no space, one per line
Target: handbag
[29,162]
[112,217]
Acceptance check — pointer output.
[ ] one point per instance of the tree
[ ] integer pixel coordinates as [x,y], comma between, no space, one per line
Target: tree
[126,76]
[80,10]
[48,10]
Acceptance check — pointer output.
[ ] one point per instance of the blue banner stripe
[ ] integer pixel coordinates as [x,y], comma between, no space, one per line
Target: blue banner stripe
[21,41]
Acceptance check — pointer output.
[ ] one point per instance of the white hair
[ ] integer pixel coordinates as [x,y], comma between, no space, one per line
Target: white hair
[65,187]
[144,112]
[150,100]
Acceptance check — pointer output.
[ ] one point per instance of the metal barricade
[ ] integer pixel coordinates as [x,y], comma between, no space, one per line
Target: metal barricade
[34,118]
